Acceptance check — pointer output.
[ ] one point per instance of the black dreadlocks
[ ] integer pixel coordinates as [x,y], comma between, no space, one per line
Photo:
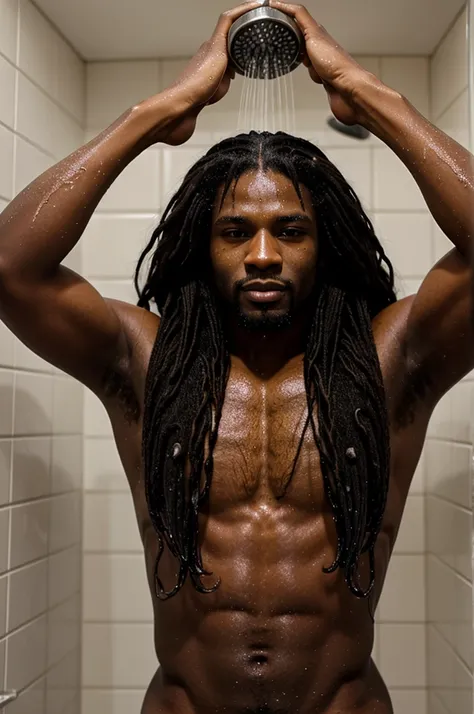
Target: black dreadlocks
[190,362]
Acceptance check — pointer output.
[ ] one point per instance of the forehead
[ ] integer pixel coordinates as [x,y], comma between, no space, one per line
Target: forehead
[258,192]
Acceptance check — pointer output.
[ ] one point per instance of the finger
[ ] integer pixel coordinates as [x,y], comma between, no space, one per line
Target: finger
[297,12]
[227,18]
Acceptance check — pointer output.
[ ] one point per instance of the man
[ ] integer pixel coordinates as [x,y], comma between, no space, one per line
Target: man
[283,398]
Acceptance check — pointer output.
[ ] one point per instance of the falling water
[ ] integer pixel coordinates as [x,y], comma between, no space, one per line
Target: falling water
[267,102]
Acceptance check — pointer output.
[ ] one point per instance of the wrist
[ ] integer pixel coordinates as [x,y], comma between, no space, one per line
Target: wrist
[152,117]
[377,104]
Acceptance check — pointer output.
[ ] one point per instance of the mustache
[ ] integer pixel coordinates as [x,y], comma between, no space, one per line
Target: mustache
[241,284]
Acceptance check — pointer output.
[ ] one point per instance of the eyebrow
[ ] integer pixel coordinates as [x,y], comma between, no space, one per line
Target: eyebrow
[291,218]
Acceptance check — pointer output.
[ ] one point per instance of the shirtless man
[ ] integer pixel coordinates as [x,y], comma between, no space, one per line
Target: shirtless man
[276,632]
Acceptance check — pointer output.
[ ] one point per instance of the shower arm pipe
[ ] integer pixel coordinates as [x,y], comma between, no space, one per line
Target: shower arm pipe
[7,698]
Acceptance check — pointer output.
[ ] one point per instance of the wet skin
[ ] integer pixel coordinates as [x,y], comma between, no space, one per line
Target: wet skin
[278,635]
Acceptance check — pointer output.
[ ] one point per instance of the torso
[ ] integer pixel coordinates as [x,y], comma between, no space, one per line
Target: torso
[278,636]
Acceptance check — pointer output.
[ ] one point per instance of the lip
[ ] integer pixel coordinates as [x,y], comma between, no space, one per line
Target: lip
[264,286]
[264,296]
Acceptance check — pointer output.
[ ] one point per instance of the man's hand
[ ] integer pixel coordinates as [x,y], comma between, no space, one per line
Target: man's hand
[330,65]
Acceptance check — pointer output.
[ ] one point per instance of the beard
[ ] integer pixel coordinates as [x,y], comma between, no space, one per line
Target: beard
[264,321]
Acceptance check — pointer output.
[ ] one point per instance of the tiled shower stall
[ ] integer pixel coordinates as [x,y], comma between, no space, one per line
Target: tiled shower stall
[59,467]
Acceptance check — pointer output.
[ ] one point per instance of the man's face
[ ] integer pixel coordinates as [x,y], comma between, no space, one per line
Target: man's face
[261,235]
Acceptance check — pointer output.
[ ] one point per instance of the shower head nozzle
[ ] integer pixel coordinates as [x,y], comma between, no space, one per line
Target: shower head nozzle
[265,43]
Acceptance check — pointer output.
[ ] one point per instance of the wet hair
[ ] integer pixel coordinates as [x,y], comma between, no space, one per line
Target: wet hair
[190,362]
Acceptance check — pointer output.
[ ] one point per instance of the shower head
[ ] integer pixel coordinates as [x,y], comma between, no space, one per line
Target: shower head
[265,43]
[356,130]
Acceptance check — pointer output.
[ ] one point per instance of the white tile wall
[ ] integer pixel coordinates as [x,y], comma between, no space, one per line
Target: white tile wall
[112,683]
[38,406]
[449,453]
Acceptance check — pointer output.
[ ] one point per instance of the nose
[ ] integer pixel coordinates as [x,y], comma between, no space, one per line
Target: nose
[264,252]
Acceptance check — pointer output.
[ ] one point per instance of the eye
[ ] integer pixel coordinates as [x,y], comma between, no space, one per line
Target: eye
[293,232]
[235,233]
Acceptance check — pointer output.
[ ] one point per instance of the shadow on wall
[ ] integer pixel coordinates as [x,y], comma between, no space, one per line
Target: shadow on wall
[44,618]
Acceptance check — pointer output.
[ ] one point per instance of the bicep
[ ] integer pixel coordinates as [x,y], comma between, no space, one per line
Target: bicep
[67,322]
[439,335]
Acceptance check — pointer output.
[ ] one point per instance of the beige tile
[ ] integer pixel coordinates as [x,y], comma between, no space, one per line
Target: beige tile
[435,706]
[441,243]
[113,244]
[449,532]
[105,599]
[356,167]
[6,395]
[2,662]
[455,120]
[69,134]
[64,629]
[26,359]
[71,81]
[448,471]
[117,655]
[110,524]
[96,420]
[114,87]
[407,241]
[449,607]
[138,187]
[28,594]
[35,115]
[410,701]
[3,611]
[411,536]
[402,655]
[176,163]
[418,482]
[30,700]
[6,336]
[103,470]
[30,163]
[5,467]
[403,597]
[63,683]
[7,92]
[26,654]
[8,28]
[395,189]
[68,395]
[4,539]
[38,47]
[451,419]
[66,467]
[411,77]
[65,521]
[33,404]
[6,165]
[448,677]
[64,575]
[31,476]
[113,701]
[123,290]
[29,533]
[449,68]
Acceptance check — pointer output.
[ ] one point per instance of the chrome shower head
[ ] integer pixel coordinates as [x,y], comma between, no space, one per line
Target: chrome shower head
[265,44]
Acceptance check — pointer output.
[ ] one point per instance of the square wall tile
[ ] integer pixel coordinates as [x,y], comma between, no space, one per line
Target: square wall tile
[455,120]
[6,395]
[38,47]
[29,533]
[2,662]
[411,536]
[451,419]
[67,405]
[117,655]
[138,187]
[448,471]
[410,701]
[395,189]
[64,629]
[65,521]
[176,163]
[114,87]
[8,28]
[30,163]
[406,238]
[402,655]
[31,476]
[66,467]
[110,524]
[448,677]
[103,470]
[26,654]
[7,92]
[449,68]
[105,599]
[403,596]
[34,115]
[441,243]
[5,469]
[96,419]
[356,167]
[409,76]
[4,539]
[449,534]
[6,336]
[33,404]
[28,594]
[70,89]
[6,165]
[63,684]
[3,612]
[64,575]
[25,359]
[112,244]
[111,701]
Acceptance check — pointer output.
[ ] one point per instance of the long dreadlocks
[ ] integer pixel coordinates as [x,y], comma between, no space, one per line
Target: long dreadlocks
[190,362]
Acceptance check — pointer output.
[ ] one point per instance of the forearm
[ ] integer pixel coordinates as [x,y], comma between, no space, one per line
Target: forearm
[443,169]
[45,221]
